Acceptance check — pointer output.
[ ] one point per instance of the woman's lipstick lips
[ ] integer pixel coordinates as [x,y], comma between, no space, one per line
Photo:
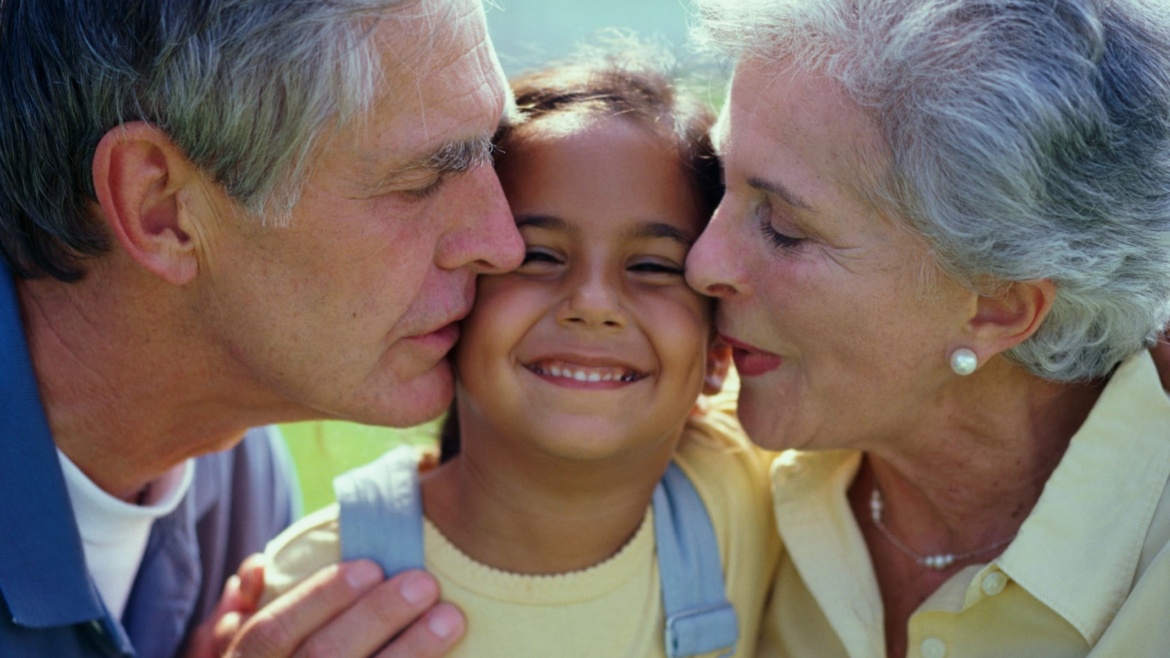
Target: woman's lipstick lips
[749,361]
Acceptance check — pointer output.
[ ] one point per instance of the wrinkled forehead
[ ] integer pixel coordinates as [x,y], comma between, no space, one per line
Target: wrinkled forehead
[779,96]
[440,90]
[437,58]
[424,36]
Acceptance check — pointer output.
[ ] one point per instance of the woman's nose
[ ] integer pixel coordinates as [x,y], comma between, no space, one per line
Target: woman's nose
[713,268]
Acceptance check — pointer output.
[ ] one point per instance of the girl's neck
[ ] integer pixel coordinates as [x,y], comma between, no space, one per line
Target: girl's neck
[537,514]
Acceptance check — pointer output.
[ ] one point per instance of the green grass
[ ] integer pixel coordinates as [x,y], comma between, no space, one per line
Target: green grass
[322,450]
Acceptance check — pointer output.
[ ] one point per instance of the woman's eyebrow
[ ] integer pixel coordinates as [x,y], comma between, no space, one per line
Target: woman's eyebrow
[777,189]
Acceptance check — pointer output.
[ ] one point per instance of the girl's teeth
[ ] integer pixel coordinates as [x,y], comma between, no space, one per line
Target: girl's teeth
[585,375]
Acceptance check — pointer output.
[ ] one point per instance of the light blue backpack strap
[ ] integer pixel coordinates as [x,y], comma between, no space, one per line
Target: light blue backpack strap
[380,514]
[699,619]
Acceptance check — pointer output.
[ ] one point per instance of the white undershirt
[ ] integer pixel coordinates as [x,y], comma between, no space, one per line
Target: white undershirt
[114,532]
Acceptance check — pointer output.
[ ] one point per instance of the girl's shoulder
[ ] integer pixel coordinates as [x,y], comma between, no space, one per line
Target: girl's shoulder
[304,548]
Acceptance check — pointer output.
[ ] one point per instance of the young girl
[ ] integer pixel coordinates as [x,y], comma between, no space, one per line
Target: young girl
[577,380]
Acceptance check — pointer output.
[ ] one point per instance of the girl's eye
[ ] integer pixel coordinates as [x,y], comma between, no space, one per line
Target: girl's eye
[777,239]
[539,256]
[657,267]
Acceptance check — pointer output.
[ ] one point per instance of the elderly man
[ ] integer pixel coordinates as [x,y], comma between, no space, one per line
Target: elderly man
[215,216]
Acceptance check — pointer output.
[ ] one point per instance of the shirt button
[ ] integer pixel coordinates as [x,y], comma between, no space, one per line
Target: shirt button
[994,582]
[932,647]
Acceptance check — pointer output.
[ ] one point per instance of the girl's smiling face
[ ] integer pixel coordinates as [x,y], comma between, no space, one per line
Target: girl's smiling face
[595,346]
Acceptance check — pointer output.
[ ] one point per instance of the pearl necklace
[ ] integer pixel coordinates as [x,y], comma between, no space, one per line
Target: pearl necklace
[938,561]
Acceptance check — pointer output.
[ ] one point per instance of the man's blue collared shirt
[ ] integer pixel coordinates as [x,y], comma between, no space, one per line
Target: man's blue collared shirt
[238,500]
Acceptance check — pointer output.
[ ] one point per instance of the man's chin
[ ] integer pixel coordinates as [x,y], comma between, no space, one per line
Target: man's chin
[415,401]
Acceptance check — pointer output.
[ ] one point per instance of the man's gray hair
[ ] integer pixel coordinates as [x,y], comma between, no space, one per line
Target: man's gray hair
[1026,139]
[243,87]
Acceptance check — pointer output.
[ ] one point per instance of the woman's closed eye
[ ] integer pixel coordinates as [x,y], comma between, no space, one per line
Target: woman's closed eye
[778,239]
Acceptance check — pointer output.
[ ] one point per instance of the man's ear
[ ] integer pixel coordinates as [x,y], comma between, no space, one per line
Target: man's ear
[718,364]
[1009,316]
[143,182]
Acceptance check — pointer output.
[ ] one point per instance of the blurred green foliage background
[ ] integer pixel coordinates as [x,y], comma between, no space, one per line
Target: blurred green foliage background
[321,450]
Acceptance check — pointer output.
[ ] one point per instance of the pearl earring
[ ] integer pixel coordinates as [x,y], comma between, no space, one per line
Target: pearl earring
[964,361]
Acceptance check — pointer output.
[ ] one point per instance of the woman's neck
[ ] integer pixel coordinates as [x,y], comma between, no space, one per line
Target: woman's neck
[538,514]
[962,483]
[972,473]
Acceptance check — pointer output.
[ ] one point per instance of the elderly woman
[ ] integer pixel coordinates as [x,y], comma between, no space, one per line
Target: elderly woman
[944,248]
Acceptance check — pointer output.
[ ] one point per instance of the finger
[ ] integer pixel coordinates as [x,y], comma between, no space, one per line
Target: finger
[214,635]
[230,598]
[384,612]
[225,630]
[283,625]
[433,635]
[202,643]
[251,583]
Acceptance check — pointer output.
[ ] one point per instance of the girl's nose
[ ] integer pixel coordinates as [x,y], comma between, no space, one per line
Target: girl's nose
[594,301]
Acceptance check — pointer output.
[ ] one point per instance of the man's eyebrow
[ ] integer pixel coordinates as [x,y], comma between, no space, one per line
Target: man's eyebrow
[456,157]
[779,190]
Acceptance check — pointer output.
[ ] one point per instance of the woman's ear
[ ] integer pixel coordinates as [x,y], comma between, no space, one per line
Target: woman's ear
[143,182]
[718,364]
[1009,316]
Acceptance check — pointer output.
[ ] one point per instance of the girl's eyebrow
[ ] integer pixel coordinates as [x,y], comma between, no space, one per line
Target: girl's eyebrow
[642,231]
[652,229]
[547,222]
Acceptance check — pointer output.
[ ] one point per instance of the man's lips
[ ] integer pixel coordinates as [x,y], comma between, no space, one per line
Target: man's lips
[446,335]
[448,318]
[443,338]
[751,361]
